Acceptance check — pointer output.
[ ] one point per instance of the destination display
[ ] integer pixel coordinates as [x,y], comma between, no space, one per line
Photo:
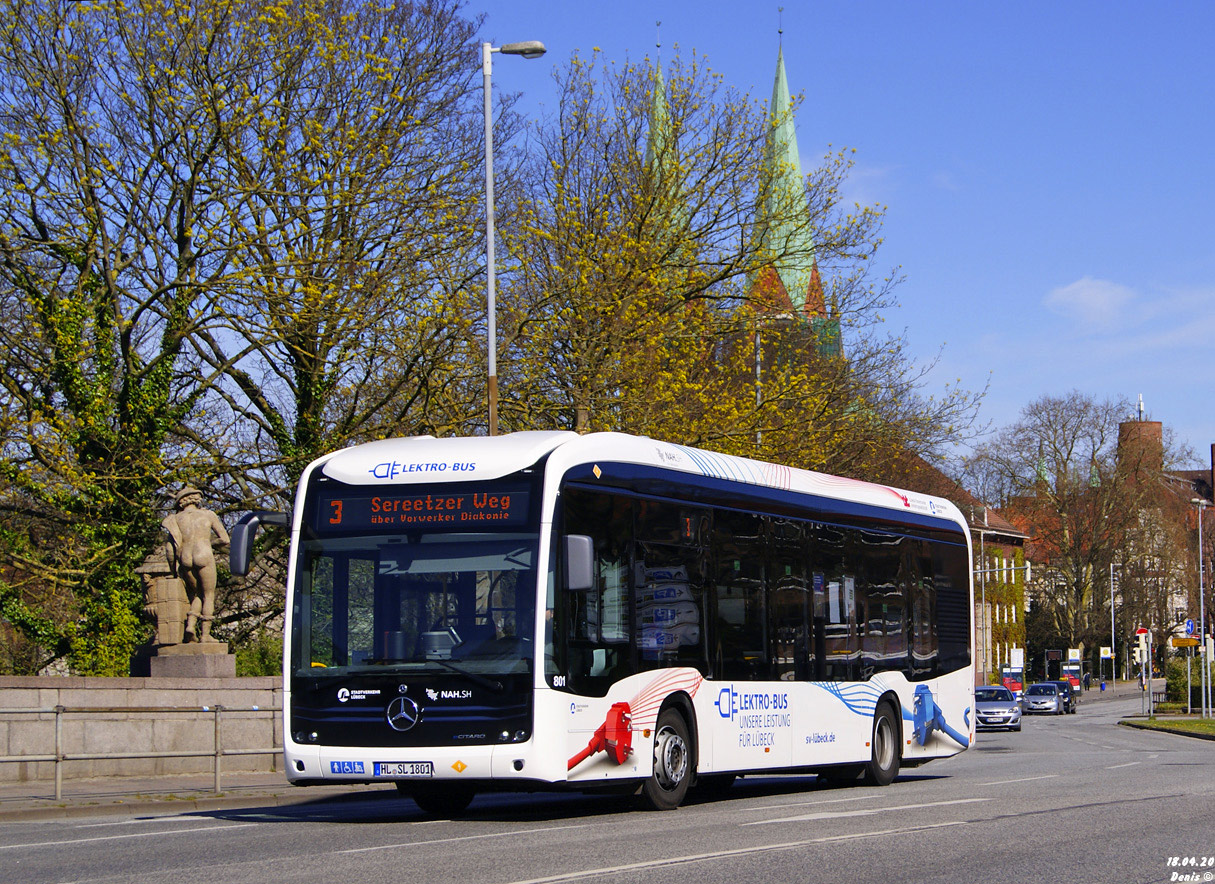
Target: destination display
[413,509]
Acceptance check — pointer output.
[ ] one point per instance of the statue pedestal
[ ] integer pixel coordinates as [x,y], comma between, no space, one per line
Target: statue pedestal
[193,660]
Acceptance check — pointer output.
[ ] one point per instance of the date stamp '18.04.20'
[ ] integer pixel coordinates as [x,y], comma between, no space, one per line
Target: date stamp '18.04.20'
[1191,868]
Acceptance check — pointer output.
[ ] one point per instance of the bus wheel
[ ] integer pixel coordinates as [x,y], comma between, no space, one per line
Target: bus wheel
[443,799]
[668,784]
[883,766]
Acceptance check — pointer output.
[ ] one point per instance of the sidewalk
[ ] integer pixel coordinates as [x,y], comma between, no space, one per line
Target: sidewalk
[163,795]
[1121,690]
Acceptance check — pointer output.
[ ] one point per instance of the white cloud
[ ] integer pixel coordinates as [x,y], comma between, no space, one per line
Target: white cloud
[868,186]
[946,181]
[1096,304]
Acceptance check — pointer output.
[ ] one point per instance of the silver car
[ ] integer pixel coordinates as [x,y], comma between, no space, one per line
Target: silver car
[996,709]
[1043,698]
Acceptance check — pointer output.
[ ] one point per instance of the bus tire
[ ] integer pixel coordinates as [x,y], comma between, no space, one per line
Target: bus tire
[883,764]
[442,799]
[673,765]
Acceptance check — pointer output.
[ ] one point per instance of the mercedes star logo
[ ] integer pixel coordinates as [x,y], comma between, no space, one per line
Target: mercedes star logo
[403,714]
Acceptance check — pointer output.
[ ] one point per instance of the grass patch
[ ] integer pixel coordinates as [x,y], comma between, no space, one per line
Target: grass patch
[1203,727]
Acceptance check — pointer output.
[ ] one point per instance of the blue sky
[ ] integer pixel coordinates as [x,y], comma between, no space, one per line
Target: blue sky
[1048,170]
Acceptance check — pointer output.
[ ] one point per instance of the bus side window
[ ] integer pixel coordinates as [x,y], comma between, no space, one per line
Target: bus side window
[922,655]
[668,584]
[789,602]
[592,641]
[951,582]
[740,650]
[835,642]
[883,643]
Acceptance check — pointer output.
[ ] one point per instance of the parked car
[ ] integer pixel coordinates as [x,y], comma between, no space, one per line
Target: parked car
[1071,696]
[1043,697]
[996,708]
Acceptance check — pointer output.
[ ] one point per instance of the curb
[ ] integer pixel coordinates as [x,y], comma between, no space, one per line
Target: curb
[1165,730]
[174,805]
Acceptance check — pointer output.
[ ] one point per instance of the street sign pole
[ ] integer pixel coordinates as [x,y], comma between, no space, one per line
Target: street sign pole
[1189,670]
[1143,641]
[1151,711]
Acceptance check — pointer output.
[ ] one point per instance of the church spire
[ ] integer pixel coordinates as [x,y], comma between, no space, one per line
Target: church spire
[659,136]
[784,223]
[662,164]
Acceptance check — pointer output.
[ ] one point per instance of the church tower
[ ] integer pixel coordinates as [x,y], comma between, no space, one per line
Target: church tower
[791,283]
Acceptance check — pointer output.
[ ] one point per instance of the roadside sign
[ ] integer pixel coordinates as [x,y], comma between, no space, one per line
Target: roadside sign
[1179,642]
[1141,631]
[1189,626]
[1106,653]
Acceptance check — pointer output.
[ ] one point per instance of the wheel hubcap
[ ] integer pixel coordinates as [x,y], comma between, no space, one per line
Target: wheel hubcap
[670,759]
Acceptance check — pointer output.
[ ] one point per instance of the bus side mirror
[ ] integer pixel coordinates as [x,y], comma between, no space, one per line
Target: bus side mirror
[579,562]
[240,550]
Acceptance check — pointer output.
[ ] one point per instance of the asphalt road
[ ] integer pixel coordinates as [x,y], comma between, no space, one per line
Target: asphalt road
[1072,799]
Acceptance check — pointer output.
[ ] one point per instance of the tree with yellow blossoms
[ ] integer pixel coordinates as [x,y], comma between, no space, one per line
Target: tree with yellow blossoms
[627,296]
[234,234]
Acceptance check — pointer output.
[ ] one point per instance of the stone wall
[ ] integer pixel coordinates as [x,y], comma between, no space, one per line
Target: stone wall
[143,719]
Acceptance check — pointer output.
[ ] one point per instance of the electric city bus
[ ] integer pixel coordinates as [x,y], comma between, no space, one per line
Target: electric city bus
[547,610]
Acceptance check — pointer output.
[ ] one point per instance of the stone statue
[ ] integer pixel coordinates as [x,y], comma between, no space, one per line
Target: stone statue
[192,531]
[167,603]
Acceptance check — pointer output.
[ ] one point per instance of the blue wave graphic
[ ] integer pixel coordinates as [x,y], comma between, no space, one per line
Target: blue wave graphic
[721,466]
[861,699]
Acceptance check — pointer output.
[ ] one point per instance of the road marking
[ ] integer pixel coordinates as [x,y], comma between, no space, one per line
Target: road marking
[728,854]
[812,803]
[137,820]
[1022,780]
[868,811]
[512,834]
[1128,764]
[119,837]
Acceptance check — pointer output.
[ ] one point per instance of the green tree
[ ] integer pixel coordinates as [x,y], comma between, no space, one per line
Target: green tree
[104,256]
[627,295]
[233,235]
[1088,504]
[353,200]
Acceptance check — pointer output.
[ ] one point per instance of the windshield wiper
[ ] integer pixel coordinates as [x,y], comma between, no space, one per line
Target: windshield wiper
[485,682]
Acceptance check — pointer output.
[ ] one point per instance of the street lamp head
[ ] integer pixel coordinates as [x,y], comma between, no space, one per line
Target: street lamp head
[1200,502]
[528,49]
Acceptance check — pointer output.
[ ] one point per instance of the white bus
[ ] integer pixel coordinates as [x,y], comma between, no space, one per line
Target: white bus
[550,610]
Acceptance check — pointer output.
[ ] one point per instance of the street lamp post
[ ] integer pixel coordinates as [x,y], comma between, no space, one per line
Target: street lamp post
[1202,616]
[1113,633]
[983,604]
[528,49]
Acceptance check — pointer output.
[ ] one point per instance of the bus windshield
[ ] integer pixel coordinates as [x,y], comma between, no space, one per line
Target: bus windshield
[414,603]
